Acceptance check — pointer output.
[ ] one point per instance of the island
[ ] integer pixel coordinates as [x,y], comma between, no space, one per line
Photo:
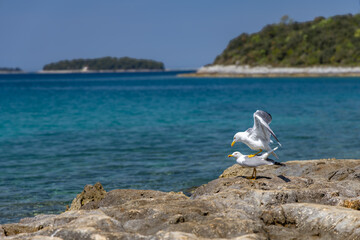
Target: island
[10,70]
[323,46]
[105,64]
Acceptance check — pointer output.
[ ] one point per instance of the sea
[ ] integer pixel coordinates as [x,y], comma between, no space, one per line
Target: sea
[158,130]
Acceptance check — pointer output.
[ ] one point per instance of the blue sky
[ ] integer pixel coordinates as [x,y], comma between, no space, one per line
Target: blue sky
[182,34]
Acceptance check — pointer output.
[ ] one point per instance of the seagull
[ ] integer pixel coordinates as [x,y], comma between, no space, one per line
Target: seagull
[246,161]
[257,137]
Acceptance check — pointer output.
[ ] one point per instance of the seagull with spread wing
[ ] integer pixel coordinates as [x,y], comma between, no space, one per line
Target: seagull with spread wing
[257,137]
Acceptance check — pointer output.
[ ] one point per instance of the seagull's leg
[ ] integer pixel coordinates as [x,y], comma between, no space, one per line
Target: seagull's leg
[253,155]
[252,175]
[275,155]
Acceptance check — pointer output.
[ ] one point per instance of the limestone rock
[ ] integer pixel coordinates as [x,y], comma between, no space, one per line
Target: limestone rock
[313,221]
[317,199]
[89,197]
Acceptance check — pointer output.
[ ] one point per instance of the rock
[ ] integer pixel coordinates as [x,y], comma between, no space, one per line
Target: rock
[317,199]
[311,168]
[89,197]
[351,203]
[14,229]
[317,221]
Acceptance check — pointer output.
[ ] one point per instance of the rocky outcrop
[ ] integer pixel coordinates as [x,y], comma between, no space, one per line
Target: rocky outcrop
[316,199]
[90,196]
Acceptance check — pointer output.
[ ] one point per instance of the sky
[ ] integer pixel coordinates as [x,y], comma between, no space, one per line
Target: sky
[183,34]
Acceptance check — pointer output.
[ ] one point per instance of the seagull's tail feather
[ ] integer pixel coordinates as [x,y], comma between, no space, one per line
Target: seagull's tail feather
[266,155]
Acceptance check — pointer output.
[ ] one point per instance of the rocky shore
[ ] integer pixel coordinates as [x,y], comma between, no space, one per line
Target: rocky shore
[314,199]
[267,71]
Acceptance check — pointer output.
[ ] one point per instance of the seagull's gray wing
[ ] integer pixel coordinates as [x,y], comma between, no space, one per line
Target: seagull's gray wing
[261,120]
[257,161]
[264,115]
[258,130]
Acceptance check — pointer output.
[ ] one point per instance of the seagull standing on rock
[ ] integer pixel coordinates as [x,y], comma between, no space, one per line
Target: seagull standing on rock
[257,137]
[246,161]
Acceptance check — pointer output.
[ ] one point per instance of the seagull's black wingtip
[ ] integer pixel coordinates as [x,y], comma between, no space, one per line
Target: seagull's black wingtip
[280,164]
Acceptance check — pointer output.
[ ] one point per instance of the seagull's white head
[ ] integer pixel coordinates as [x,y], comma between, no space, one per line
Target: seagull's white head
[238,137]
[235,155]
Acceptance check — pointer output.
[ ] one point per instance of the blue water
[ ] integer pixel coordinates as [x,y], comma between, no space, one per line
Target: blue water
[154,130]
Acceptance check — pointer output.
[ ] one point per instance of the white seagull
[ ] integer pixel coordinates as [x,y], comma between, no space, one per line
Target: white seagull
[257,137]
[246,161]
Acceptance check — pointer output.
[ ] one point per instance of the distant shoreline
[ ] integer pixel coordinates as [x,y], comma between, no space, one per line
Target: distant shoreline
[266,71]
[100,71]
[12,72]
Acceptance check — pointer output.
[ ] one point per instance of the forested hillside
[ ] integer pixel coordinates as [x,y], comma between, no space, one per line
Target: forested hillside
[333,41]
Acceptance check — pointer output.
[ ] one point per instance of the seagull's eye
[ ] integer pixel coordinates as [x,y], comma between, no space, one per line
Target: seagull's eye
[234,137]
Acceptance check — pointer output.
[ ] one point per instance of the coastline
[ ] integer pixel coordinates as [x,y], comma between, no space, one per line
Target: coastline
[10,72]
[267,71]
[99,71]
[304,199]
[183,71]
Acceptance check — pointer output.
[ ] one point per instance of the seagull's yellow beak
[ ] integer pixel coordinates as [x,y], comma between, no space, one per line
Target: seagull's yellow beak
[230,155]
[233,142]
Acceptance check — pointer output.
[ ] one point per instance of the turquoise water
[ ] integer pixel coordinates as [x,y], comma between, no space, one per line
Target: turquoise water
[154,130]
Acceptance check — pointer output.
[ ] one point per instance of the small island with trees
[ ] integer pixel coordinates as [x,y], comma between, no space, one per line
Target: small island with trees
[105,64]
[323,46]
[10,70]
